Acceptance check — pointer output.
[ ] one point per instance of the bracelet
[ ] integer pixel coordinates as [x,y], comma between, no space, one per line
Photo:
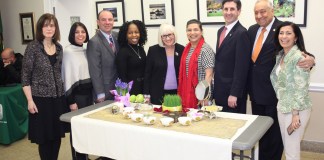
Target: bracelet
[295,112]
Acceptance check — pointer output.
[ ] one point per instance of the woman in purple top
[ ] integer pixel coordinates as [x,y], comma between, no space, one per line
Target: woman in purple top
[162,65]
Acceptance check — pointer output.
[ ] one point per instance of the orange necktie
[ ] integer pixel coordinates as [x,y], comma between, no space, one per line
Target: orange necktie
[222,36]
[258,45]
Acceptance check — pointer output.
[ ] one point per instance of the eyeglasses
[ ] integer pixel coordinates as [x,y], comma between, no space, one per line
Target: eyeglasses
[167,35]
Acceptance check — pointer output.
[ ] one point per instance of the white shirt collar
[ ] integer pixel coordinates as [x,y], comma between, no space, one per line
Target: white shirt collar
[230,26]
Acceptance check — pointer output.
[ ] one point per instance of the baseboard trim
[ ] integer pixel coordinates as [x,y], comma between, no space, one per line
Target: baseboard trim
[316,87]
[312,146]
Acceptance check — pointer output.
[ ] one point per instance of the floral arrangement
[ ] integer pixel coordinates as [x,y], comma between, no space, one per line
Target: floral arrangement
[122,92]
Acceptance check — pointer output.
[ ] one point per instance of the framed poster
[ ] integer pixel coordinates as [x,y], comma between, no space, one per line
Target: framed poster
[156,12]
[210,12]
[27,27]
[74,19]
[116,8]
[291,10]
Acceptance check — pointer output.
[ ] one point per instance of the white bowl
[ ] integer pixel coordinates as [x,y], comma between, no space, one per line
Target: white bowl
[186,121]
[196,116]
[127,111]
[136,117]
[166,121]
[149,120]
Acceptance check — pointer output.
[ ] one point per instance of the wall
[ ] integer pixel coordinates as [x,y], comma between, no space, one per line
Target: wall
[10,20]
[86,10]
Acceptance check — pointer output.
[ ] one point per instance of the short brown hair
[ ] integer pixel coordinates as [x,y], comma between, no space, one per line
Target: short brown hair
[40,24]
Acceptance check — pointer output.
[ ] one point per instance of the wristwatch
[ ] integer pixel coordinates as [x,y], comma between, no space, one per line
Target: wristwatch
[295,112]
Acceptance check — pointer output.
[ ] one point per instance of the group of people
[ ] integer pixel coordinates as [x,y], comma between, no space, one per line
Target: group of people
[268,61]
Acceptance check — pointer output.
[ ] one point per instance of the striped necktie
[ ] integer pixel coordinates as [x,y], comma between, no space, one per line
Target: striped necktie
[111,43]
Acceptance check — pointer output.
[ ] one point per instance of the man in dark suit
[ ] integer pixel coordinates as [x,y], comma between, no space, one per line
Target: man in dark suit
[262,95]
[232,60]
[12,65]
[101,53]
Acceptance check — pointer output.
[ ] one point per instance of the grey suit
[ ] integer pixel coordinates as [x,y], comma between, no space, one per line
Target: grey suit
[102,66]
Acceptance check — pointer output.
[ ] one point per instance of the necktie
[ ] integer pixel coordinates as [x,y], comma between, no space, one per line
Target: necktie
[111,43]
[222,36]
[258,45]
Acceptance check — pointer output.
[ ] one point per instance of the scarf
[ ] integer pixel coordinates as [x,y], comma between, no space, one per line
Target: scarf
[186,89]
[74,68]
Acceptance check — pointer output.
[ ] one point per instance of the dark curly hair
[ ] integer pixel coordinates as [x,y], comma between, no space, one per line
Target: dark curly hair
[122,35]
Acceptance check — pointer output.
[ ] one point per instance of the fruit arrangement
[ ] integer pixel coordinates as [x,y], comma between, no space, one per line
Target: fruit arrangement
[137,98]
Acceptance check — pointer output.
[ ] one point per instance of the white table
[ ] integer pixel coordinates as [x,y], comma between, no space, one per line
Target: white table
[132,141]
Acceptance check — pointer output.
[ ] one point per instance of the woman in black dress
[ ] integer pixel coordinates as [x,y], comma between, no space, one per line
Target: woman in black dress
[43,86]
[131,57]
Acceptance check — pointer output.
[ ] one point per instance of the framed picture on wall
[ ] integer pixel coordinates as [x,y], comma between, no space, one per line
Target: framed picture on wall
[74,19]
[156,12]
[116,7]
[291,10]
[27,27]
[210,12]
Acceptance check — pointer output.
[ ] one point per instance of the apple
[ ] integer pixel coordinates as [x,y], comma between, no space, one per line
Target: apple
[139,98]
[132,98]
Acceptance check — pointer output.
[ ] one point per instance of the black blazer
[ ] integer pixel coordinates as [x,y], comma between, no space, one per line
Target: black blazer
[231,65]
[156,69]
[259,87]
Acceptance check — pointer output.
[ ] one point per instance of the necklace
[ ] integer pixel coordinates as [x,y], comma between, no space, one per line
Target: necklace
[137,53]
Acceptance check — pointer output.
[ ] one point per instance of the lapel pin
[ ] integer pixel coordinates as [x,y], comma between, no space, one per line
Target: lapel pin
[176,53]
[274,30]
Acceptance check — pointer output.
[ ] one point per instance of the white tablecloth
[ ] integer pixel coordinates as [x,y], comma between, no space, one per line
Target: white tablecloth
[130,142]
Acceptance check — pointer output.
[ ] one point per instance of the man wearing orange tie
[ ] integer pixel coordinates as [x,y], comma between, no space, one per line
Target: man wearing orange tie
[262,95]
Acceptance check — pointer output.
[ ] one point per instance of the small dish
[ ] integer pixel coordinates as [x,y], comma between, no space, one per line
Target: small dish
[149,120]
[196,116]
[136,117]
[127,111]
[166,121]
[186,121]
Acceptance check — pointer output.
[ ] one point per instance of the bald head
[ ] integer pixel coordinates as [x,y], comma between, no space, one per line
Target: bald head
[105,21]
[8,56]
[263,12]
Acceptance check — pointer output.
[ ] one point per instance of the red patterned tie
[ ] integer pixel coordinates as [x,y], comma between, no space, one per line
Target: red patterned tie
[111,43]
[222,36]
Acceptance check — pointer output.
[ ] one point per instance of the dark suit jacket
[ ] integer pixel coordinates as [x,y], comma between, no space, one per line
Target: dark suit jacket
[231,65]
[102,65]
[259,85]
[12,72]
[156,69]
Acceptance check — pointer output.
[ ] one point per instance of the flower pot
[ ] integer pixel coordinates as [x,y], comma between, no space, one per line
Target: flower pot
[172,109]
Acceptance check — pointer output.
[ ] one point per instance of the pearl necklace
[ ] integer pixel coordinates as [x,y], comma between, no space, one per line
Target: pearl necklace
[137,53]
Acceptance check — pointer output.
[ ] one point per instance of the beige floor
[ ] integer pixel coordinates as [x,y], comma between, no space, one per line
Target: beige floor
[24,150]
